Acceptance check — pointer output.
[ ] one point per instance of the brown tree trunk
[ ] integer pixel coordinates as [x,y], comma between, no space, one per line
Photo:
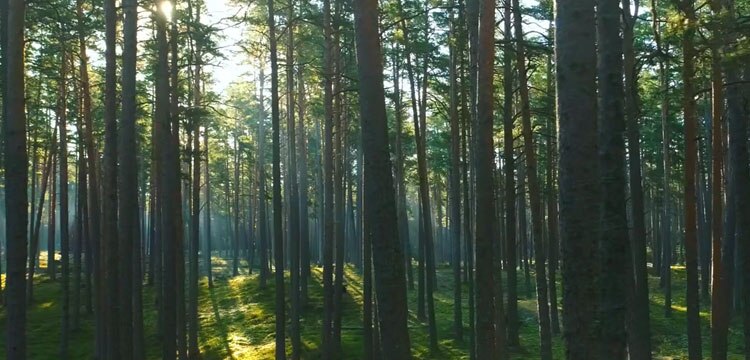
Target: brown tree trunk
[485,197]
[278,241]
[719,285]
[691,154]
[575,59]
[64,229]
[454,185]
[510,181]
[638,320]
[16,182]
[380,220]
[614,243]
[128,177]
[545,335]
[109,227]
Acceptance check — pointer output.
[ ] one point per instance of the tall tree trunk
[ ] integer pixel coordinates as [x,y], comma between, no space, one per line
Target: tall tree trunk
[575,59]
[614,246]
[207,255]
[94,207]
[455,186]
[740,174]
[168,182]
[64,231]
[510,181]
[294,204]
[380,220]
[638,320]
[109,227]
[534,190]
[303,196]
[193,351]
[552,213]
[691,154]
[427,235]
[278,241]
[176,168]
[128,176]
[327,182]
[719,285]
[51,217]
[37,221]
[16,182]
[403,221]
[262,194]
[485,198]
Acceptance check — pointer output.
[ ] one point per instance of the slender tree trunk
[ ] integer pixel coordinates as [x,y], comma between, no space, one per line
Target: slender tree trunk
[455,187]
[193,351]
[691,152]
[94,255]
[207,258]
[278,242]
[638,320]
[64,231]
[51,219]
[380,220]
[534,190]
[37,221]
[328,182]
[262,219]
[303,195]
[168,197]
[294,204]
[427,235]
[109,228]
[719,285]
[552,213]
[510,181]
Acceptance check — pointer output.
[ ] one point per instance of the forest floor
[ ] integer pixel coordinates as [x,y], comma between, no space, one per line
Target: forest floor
[237,320]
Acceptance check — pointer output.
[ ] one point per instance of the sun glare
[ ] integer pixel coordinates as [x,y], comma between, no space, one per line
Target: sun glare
[166,8]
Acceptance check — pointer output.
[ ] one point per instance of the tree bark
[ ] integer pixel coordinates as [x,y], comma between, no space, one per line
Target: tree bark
[575,60]
[485,198]
[691,153]
[16,182]
[109,227]
[614,243]
[510,181]
[278,241]
[380,220]
[534,190]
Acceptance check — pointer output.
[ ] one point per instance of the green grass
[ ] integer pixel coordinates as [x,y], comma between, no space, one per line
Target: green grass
[237,321]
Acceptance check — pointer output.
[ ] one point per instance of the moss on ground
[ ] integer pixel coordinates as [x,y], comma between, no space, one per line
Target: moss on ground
[237,321]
